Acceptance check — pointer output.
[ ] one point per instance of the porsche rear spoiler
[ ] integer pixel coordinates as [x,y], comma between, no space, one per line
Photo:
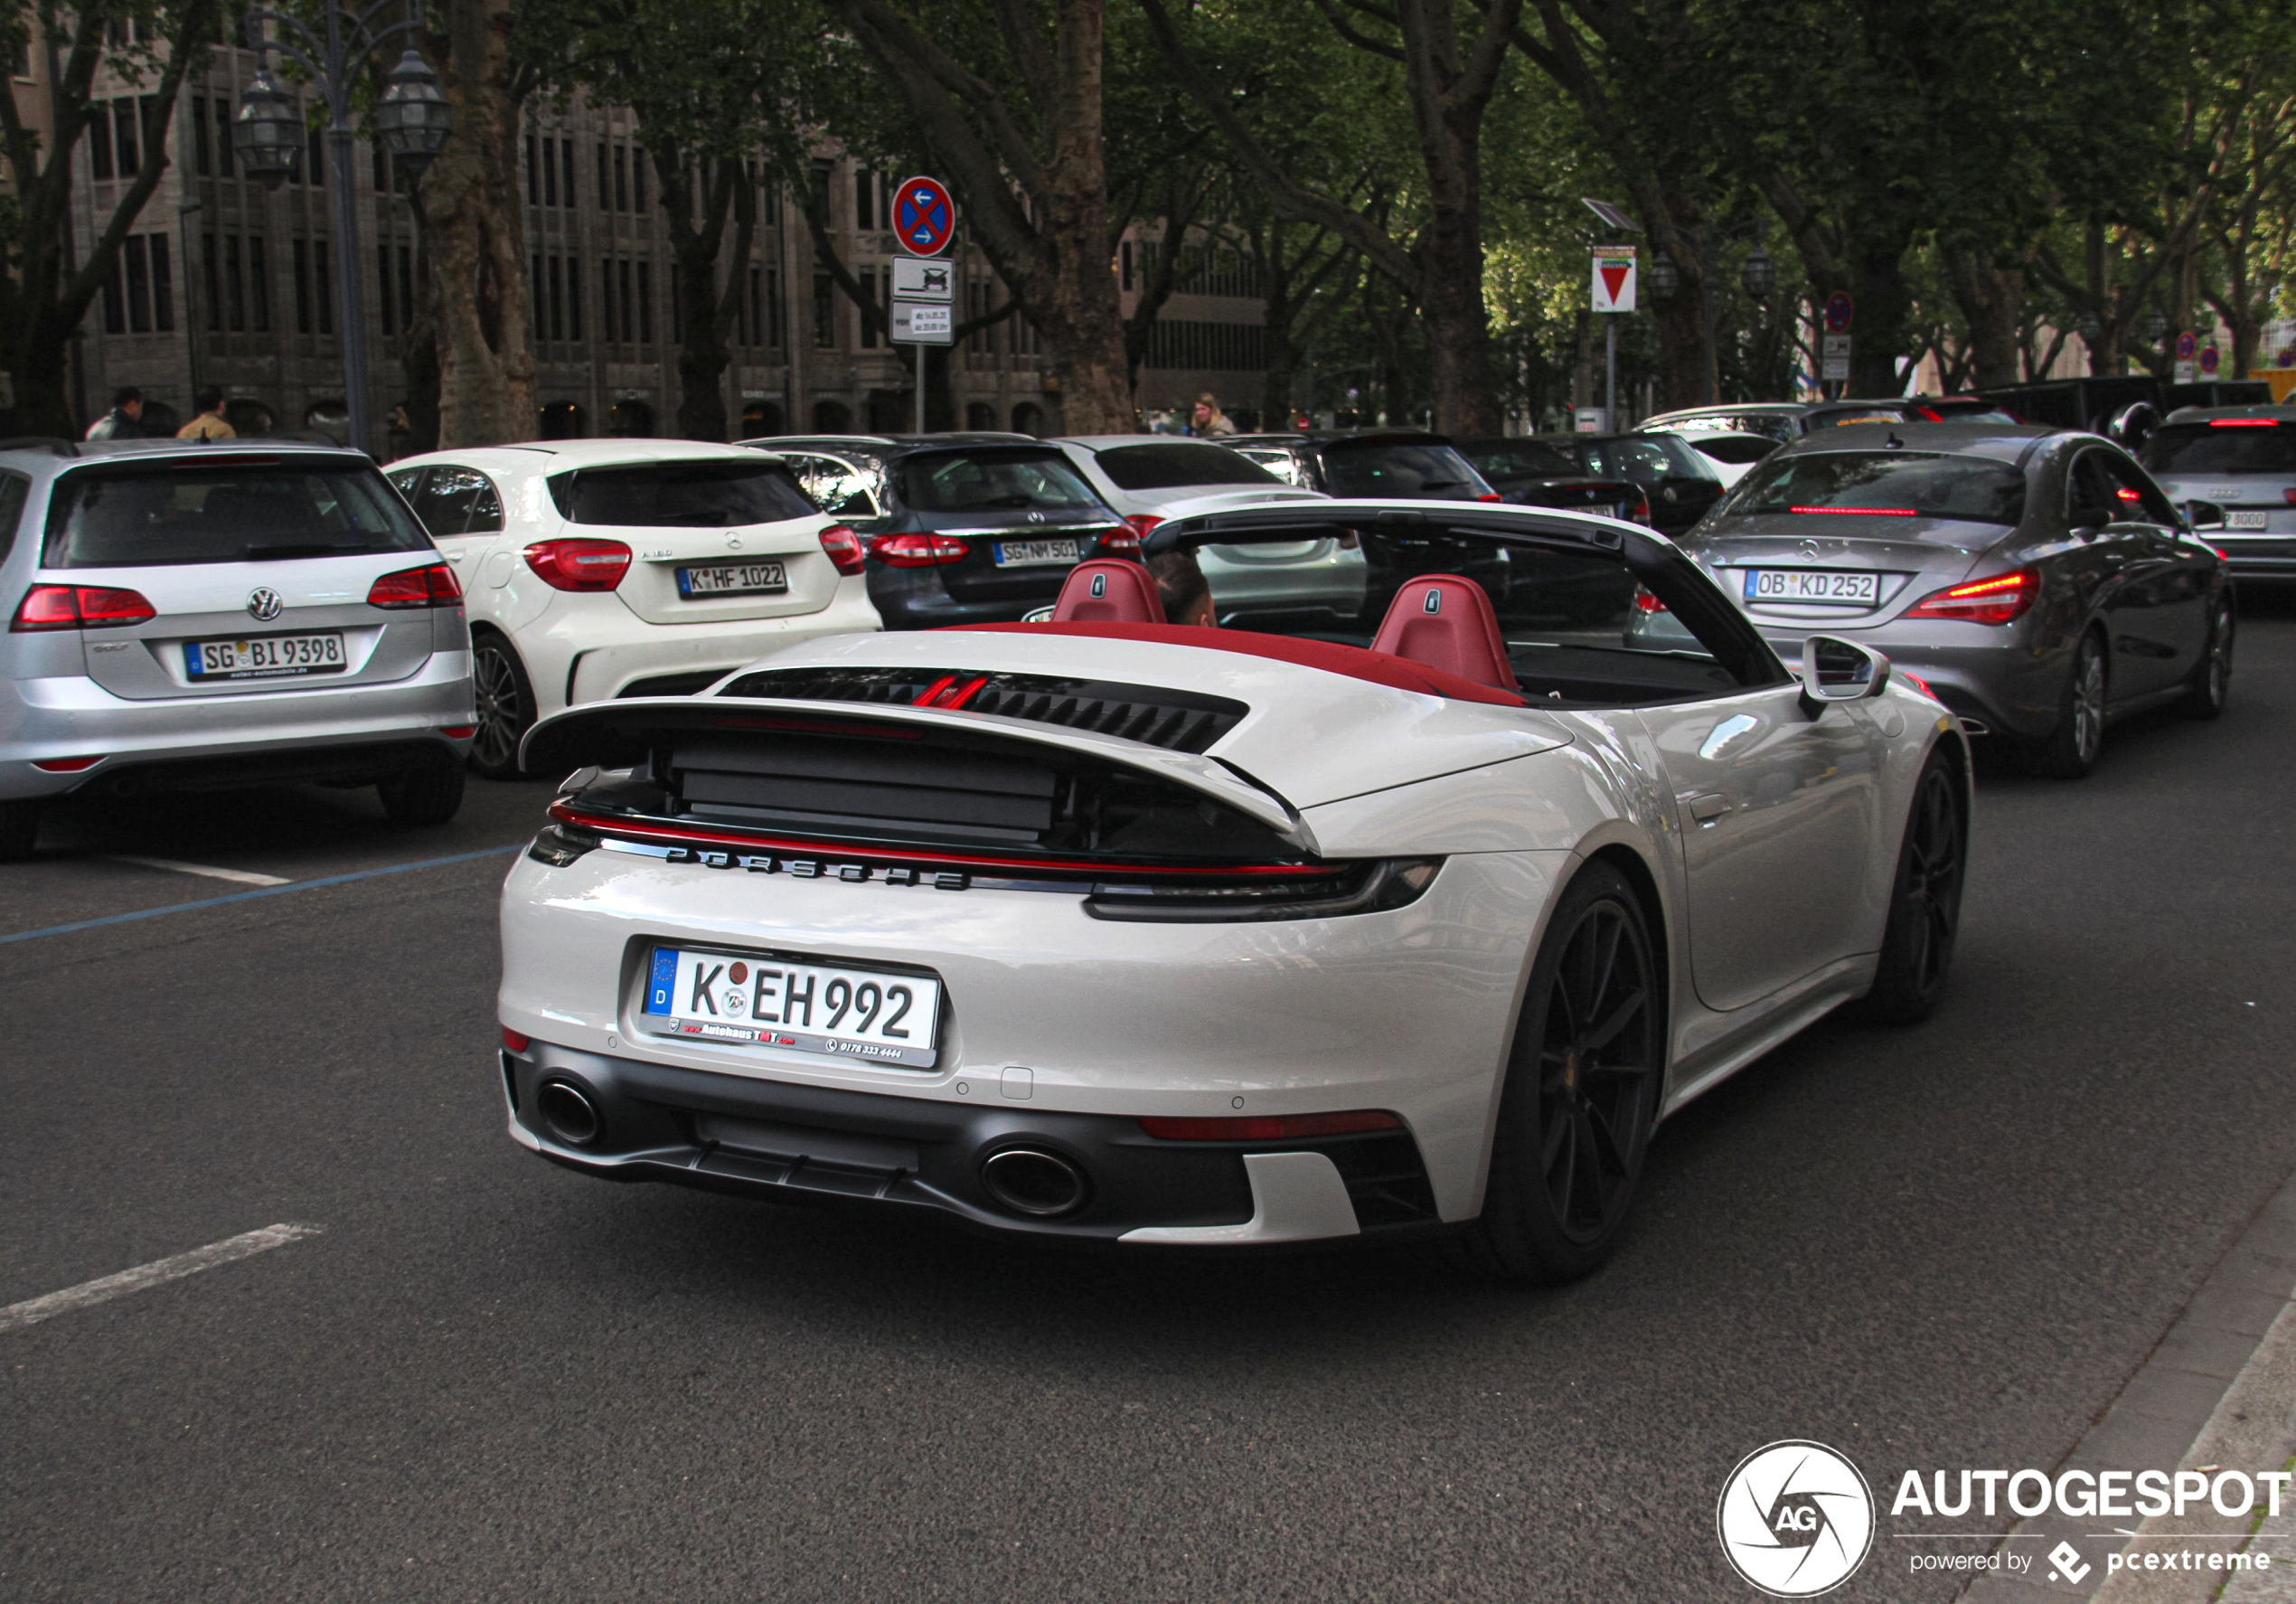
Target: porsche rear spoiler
[620,734]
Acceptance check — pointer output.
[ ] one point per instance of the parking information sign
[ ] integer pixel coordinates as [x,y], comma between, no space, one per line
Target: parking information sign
[1838,309]
[1614,288]
[924,216]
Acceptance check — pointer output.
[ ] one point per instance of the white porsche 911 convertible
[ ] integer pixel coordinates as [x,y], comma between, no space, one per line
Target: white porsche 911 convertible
[1105,927]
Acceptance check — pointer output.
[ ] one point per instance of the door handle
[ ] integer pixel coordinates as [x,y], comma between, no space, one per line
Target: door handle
[1707,808]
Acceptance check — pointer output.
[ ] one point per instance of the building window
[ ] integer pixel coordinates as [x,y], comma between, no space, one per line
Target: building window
[234,286]
[258,284]
[773,307]
[123,134]
[758,325]
[604,190]
[864,193]
[301,253]
[637,178]
[566,165]
[323,285]
[99,143]
[407,286]
[533,171]
[224,157]
[537,299]
[209,272]
[573,297]
[201,161]
[869,298]
[629,329]
[550,172]
[824,312]
[114,306]
[606,323]
[621,178]
[163,286]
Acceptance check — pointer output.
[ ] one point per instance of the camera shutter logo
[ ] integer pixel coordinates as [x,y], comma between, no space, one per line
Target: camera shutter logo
[263,604]
[1795,1519]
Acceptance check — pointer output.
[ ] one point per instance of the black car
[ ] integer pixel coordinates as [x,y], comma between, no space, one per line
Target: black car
[1391,463]
[958,528]
[1667,485]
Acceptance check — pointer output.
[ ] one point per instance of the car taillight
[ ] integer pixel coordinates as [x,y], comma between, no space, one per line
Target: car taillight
[66,765]
[1125,542]
[1270,1127]
[2289,496]
[1490,496]
[579,564]
[79,607]
[1640,512]
[1997,600]
[516,1041]
[843,549]
[435,586]
[917,550]
[1644,602]
[2243,423]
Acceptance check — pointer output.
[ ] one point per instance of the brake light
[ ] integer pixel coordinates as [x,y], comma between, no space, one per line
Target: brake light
[579,564]
[2243,423]
[458,732]
[917,550]
[1863,512]
[1270,1127]
[434,585]
[2127,494]
[1997,600]
[844,548]
[1644,602]
[79,607]
[516,1041]
[1490,496]
[1125,542]
[1641,512]
[66,765]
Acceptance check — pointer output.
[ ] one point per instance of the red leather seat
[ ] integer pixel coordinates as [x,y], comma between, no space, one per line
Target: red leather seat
[1108,591]
[1448,623]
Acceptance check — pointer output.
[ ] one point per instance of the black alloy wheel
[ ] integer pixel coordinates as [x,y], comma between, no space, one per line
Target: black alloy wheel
[505,707]
[1582,1091]
[1924,902]
[2211,681]
[427,794]
[2071,750]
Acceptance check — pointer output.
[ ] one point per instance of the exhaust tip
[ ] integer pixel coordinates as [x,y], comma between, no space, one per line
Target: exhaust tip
[1029,1181]
[572,1118]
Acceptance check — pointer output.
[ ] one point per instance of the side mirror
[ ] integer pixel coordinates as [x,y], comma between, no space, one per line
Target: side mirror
[1838,670]
[2204,515]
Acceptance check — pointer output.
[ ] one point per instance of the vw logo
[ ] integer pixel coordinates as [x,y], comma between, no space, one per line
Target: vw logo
[263,604]
[1809,550]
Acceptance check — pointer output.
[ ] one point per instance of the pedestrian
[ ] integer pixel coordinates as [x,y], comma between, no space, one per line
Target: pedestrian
[208,425]
[1210,420]
[124,422]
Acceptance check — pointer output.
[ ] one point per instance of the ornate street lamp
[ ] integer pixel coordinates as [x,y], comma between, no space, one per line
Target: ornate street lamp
[1665,278]
[2090,326]
[412,121]
[267,134]
[1759,275]
[2156,326]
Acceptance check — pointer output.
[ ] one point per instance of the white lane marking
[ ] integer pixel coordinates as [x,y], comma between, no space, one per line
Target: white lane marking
[242,876]
[104,1287]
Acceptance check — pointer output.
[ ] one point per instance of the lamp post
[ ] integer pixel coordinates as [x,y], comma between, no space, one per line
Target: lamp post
[411,119]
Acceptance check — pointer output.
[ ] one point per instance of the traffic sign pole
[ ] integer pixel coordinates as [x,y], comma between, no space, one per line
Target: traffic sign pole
[924,301]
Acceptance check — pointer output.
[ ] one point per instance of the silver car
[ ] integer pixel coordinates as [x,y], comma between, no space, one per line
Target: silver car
[193,616]
[2232,469]
[2035,580]
[1150,478]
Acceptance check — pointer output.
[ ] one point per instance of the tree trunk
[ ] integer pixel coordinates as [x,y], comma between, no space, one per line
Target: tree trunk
[1992,302]
[1682,342]
[1884,306]
[480,301]
[419,357]
[1081,316]
[1466,392]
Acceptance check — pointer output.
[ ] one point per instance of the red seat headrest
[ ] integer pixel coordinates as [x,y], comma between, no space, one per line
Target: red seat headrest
[1108,591]
[1448,623]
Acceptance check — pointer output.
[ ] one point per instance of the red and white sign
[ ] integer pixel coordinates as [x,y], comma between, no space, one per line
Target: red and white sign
[2210,361]
[1838,308]
[924,216]
[1613,278]
[2188,346]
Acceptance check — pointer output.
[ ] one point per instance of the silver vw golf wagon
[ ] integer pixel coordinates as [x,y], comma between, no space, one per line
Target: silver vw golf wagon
[184,616]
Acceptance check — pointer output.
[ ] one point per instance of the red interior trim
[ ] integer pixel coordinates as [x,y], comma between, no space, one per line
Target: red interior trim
[1379,668]
[845,850]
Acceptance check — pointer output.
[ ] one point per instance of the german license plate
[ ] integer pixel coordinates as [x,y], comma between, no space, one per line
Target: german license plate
[1796,584]
[266,657]
[1022,554]
[734,579]
[2251,520]
[757,1000]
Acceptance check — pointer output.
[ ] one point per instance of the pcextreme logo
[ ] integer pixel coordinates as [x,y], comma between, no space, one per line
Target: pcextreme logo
[1795,1518]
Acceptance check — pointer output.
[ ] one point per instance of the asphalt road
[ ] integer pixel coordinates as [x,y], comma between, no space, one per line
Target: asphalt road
[490,1379]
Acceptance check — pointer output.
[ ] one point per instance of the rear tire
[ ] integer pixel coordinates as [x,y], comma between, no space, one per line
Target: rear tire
[431,795]
[2211,681]
[505,706]
[2071,750]
[19,829]
[1924,901]
[1581,1094]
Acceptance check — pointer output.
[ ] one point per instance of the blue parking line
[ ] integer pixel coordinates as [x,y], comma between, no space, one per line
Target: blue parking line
[268,890]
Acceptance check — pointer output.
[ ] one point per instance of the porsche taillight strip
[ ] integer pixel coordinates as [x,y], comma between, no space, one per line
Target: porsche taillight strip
[1084,868]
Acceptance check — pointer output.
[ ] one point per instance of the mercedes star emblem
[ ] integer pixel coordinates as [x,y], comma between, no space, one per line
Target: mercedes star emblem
[1809,550]
[263,604]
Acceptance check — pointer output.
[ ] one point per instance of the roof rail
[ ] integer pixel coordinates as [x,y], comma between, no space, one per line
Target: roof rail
[35,442]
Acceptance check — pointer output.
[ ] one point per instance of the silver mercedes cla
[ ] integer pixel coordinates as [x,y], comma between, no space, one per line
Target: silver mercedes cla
[201,616]
[2036,580]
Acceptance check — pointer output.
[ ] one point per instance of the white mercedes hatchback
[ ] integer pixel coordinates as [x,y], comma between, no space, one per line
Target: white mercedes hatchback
[597,568]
